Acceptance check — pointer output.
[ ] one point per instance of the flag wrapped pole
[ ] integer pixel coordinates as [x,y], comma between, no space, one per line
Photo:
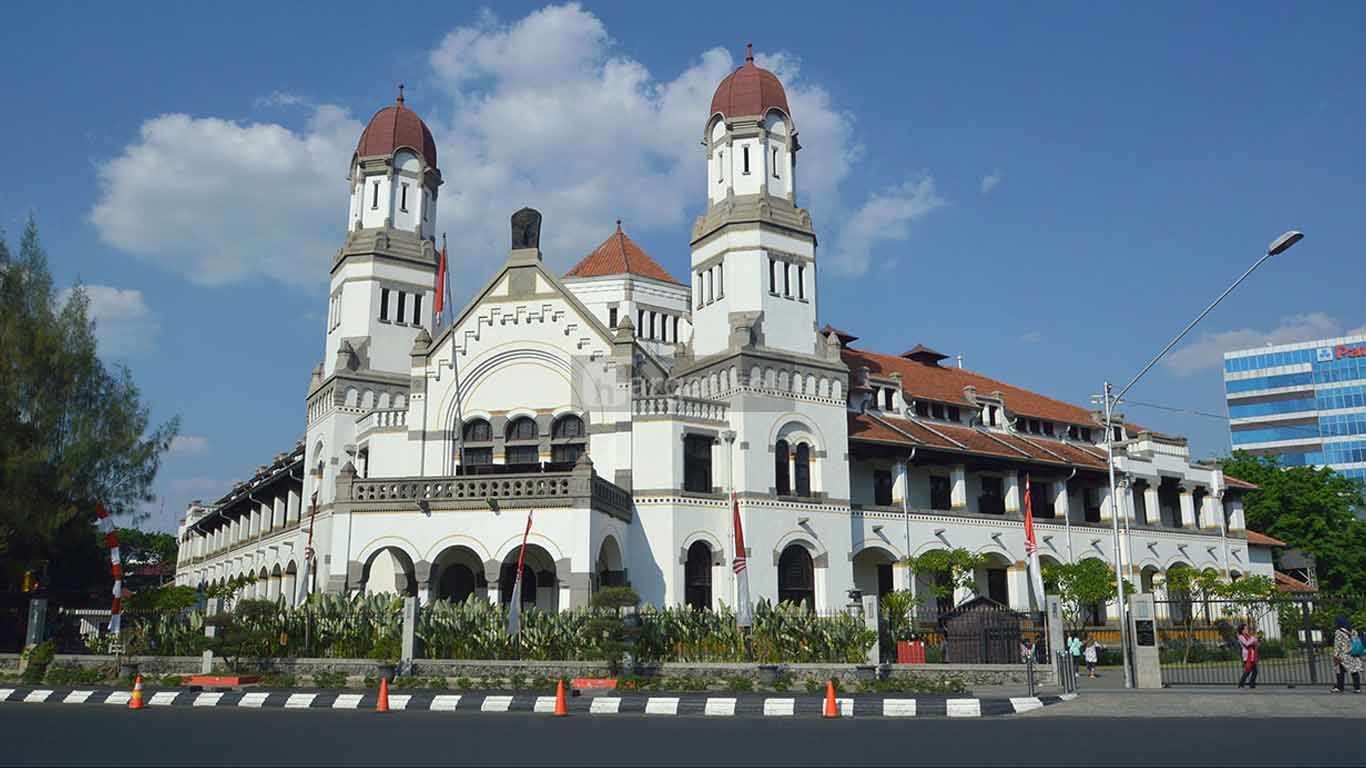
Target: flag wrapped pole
[515,606]
[111,540]
[1032,549]
[439,299]
[744,613]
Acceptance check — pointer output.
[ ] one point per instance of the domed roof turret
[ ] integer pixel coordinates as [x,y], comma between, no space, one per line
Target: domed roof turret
[396,127]
[749,90]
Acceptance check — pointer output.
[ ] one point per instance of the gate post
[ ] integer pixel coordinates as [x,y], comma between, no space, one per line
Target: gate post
[1147,659]
[1309,644]
[1057,641]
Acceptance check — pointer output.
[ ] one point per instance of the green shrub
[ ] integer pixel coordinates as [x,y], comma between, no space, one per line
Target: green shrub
[329,679]
[464,683]
[739,684]
[279,680]
[38,658]
[172,681]
[70,674]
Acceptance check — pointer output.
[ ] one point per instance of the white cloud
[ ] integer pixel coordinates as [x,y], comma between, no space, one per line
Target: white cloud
[544,110]
[887,216]
[1033,337]
[1208,351]
[124,324]
[186,445]
[990,181]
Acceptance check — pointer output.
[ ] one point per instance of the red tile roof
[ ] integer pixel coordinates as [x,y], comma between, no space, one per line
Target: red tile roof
[945,384]
[749,90]
[1262,540]
[394,127]
[1234,482]
[1286,583]
[619,255]
[870,427]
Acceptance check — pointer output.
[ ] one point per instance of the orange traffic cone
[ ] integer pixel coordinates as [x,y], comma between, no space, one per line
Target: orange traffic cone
[383,704]
[831,707]
[136,701]
[561,709]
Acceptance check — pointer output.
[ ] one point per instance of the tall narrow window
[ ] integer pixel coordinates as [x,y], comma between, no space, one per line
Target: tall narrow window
[697,463]
[403,197]
[775,162]
[640,323]
[887,399]
[781,485]
[675,330]
[402,296]
[772,276]
[787,280]
[417,309]
[720,167]
[746,161]
[802,464]
[612,317]
[384,303]
[426,208]
[699,290]
[882,487]
[801,281]
[707,281]
[374,195]
[720,281]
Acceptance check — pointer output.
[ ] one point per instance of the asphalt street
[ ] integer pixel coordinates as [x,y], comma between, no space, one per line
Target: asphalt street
[97,735]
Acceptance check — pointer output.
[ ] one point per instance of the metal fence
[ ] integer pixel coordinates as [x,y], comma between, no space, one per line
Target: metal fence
[1198,638]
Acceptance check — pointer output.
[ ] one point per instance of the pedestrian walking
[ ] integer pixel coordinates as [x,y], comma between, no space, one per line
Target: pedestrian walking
[1347,653]
[1251,655]
[1074,648]
[1092,656]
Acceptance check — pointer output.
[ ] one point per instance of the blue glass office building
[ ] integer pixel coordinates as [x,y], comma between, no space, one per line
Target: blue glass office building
[1304,402]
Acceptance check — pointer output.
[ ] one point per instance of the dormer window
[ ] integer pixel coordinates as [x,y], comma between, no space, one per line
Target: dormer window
[922,409]
[992,414]
[937,411]
[374,196]
[954,413]
[887,399]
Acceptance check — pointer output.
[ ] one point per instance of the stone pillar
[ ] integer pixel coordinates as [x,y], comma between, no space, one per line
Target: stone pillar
[1236,520]
[1014,505]
[292,504]
[1153,504]
[408,649]
[493,571]
[1210,511]
[1107,504]
[1187,507]
[900,484]
[1143,630]
[277,515]
[1126,500]
[1062,504]
[1017,588]
[958,487]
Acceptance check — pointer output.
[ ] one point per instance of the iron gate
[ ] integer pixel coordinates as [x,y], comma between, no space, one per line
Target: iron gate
[1198,642]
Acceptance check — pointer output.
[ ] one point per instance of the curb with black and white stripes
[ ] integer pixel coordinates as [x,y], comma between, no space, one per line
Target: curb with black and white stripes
[686,704]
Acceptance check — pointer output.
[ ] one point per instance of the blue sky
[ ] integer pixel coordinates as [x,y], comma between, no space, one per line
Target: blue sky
[1051,189]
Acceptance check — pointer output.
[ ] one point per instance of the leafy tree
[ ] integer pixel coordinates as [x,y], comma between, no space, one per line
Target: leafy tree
[1079,586]
[951,570]
[147,547]
[72,432]
[1311,509]
[613,635]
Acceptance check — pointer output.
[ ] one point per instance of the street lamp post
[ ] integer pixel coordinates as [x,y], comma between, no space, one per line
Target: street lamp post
[1278,246]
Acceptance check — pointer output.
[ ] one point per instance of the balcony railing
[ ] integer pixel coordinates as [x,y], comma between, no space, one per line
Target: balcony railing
[389,418]
[678,405]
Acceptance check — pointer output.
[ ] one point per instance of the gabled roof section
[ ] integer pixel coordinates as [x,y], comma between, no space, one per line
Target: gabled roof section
[1258,539]
[619,255]
[945,384]
[1288,583]
[871,428]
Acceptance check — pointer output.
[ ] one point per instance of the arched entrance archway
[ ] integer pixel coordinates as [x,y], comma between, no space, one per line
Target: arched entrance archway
[697,576]
[993,578]
[873,573]
[389,570]
[610,569]
[540,586]
[458,574]
[797,577]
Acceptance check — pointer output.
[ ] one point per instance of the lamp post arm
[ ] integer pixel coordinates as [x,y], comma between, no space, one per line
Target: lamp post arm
[1191,325]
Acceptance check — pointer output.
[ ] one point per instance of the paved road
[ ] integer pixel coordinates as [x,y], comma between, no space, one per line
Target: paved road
[94,735]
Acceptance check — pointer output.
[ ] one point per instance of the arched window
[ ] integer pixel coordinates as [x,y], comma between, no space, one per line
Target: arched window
[568,433]
[697,577]
[522,447]
[476,444]
[478,431]
[797,577]
[803,467]
[781,484]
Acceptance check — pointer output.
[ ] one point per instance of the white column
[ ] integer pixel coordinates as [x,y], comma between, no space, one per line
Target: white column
[958,482]
[1210,512]
[1187,507]
[1153,504]
[292,507]
[1013,504]
[277,516]
[1236,519]
[1107,504]
[900,484]
[1062,503]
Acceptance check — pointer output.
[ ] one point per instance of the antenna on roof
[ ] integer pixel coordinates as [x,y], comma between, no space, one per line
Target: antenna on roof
[400,93]
[749,52]
[959,357]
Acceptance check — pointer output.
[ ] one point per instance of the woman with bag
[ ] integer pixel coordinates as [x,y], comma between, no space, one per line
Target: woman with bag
[1343,657]
[1248,641]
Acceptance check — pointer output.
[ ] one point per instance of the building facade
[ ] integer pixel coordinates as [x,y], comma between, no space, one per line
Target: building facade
[1303,403]
[622,411]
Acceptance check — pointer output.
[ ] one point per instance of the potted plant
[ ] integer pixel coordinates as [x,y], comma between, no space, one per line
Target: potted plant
[385,653]
[899,609]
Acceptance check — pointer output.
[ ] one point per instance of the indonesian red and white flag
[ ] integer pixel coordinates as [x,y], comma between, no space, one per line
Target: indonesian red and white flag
[515,606]
[1032,549]
[439,305]
[744,612]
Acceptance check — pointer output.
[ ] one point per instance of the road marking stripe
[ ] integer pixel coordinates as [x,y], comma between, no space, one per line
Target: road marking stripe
[300,700]
[446,702]
[661,705]
[5,693]
[898,707]
[163,698]
[720,707]
[606,705]
[118,697]
[845,707]
[207,699]
[399,701]
[347,700]
[496,704]
[544,704]
[964,707]
[77,697]
[253,700]
[37,697]
[1026,703]
[779,707]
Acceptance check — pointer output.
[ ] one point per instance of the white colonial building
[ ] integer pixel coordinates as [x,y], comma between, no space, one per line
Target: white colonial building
[620,407]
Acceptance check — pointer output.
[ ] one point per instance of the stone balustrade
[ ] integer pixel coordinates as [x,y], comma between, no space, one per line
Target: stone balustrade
[681,406]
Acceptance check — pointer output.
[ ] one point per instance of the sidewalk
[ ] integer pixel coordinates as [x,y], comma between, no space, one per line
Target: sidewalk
[1106,696]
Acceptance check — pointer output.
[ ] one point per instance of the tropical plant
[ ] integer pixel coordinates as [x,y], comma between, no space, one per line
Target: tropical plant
[898,608]
[1079,586]
[950,570]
